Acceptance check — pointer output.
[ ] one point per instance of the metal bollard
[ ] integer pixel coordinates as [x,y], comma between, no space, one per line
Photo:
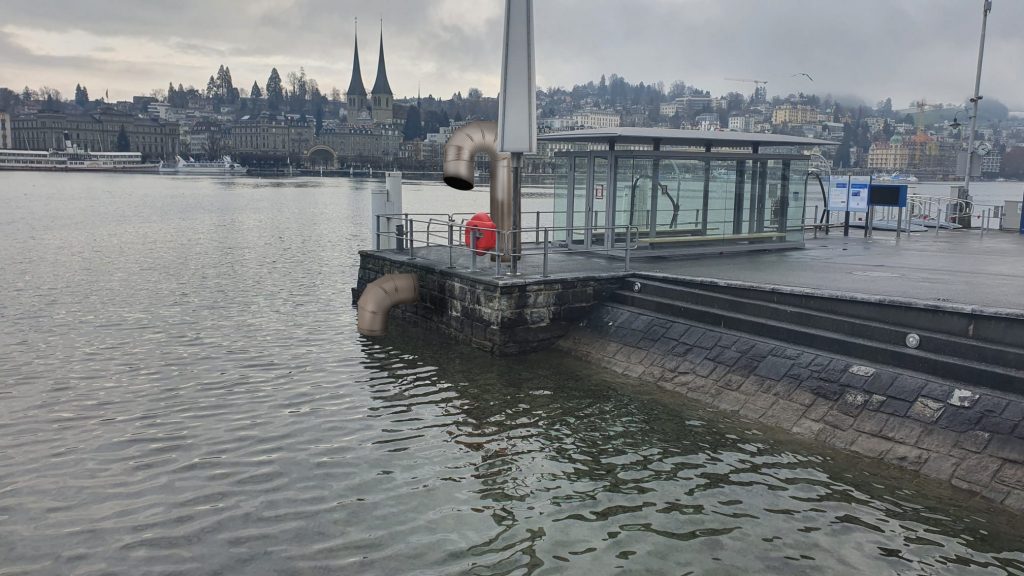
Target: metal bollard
[399,237]
[544,271]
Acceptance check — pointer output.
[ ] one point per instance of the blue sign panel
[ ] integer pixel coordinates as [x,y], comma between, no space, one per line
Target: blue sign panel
[860,187]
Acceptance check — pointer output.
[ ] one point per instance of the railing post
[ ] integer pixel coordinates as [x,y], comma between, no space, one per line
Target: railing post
[815,220]
[376,241]
[544,271]
[451,245]
[473,235]
[938,221]
[412,253]
[629,231]
[536,229]
[498,246]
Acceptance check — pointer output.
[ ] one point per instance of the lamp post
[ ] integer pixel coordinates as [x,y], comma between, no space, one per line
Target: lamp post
[965,194]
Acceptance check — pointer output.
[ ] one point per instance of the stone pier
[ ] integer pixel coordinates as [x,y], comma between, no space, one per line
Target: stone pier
[966,435]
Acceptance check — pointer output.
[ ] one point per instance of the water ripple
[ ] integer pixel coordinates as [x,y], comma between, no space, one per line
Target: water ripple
[183,393]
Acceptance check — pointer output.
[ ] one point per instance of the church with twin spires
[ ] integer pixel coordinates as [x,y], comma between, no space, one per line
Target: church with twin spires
[378,108]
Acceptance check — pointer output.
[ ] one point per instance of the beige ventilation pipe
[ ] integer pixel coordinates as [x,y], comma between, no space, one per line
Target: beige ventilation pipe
[380,296]
[459,165]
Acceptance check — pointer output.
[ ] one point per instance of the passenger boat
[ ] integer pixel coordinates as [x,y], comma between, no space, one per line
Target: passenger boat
[897,177]
[224,166]
[74,159]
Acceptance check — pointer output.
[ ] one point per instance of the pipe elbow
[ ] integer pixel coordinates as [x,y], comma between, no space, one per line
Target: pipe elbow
[379,297]
[461,150]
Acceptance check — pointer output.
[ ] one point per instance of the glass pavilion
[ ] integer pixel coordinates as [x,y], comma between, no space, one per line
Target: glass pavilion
[683,190]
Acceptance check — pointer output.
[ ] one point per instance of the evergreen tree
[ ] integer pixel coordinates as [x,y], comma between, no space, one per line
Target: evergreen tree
[51,104]
[123,144]
[228,87]
[211,88]
[274,90]
[887,130]
[8,100]
[318,116]
[81,95]
[221,82]
[842,159]
[255,93]
[413,127]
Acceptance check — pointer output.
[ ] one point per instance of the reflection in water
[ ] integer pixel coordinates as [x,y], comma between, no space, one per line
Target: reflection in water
[572,468]
[184,393]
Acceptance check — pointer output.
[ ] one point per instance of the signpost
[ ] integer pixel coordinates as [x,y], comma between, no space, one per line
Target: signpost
[838,201]
[860,192]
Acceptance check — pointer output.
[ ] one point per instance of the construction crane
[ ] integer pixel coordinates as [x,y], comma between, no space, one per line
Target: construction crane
[760,88]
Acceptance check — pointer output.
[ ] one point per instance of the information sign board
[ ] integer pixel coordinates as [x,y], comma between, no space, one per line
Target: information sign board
[838,193]
[860,187]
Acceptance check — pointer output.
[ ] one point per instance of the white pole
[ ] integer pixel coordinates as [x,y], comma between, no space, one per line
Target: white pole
[378,206]
[393,182]
[986,8]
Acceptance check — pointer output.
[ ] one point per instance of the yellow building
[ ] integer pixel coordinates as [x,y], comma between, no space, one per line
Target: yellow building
[891,156]
[790,114]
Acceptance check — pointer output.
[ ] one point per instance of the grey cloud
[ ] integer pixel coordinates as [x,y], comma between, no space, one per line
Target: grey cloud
[873,48]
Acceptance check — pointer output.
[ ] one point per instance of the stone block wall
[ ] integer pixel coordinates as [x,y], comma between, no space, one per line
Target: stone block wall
[970,437]
[503,318]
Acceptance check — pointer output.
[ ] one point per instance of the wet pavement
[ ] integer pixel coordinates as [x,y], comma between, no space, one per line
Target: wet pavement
[954,267]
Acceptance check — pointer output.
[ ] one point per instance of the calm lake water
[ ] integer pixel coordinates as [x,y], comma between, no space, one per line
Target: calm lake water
[182,391]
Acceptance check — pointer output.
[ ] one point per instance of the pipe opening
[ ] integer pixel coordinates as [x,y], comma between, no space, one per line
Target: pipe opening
[458,183]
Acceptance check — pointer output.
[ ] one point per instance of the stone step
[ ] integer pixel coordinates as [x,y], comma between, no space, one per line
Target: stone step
[976,325]
[882,332]
[827,341]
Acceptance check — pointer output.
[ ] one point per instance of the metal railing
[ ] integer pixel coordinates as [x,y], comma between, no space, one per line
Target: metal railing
[934,213]
[412,234]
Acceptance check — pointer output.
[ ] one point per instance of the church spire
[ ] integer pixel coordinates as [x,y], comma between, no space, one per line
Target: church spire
[355,86]
[382,99]
[381,86]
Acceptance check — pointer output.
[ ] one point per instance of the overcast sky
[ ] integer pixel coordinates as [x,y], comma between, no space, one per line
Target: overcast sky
[906,49]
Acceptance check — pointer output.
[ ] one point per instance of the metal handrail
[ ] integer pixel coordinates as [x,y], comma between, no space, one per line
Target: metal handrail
[455,241]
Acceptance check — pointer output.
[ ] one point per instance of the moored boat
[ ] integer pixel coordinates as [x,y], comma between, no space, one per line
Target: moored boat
[223,166]
[74,159]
